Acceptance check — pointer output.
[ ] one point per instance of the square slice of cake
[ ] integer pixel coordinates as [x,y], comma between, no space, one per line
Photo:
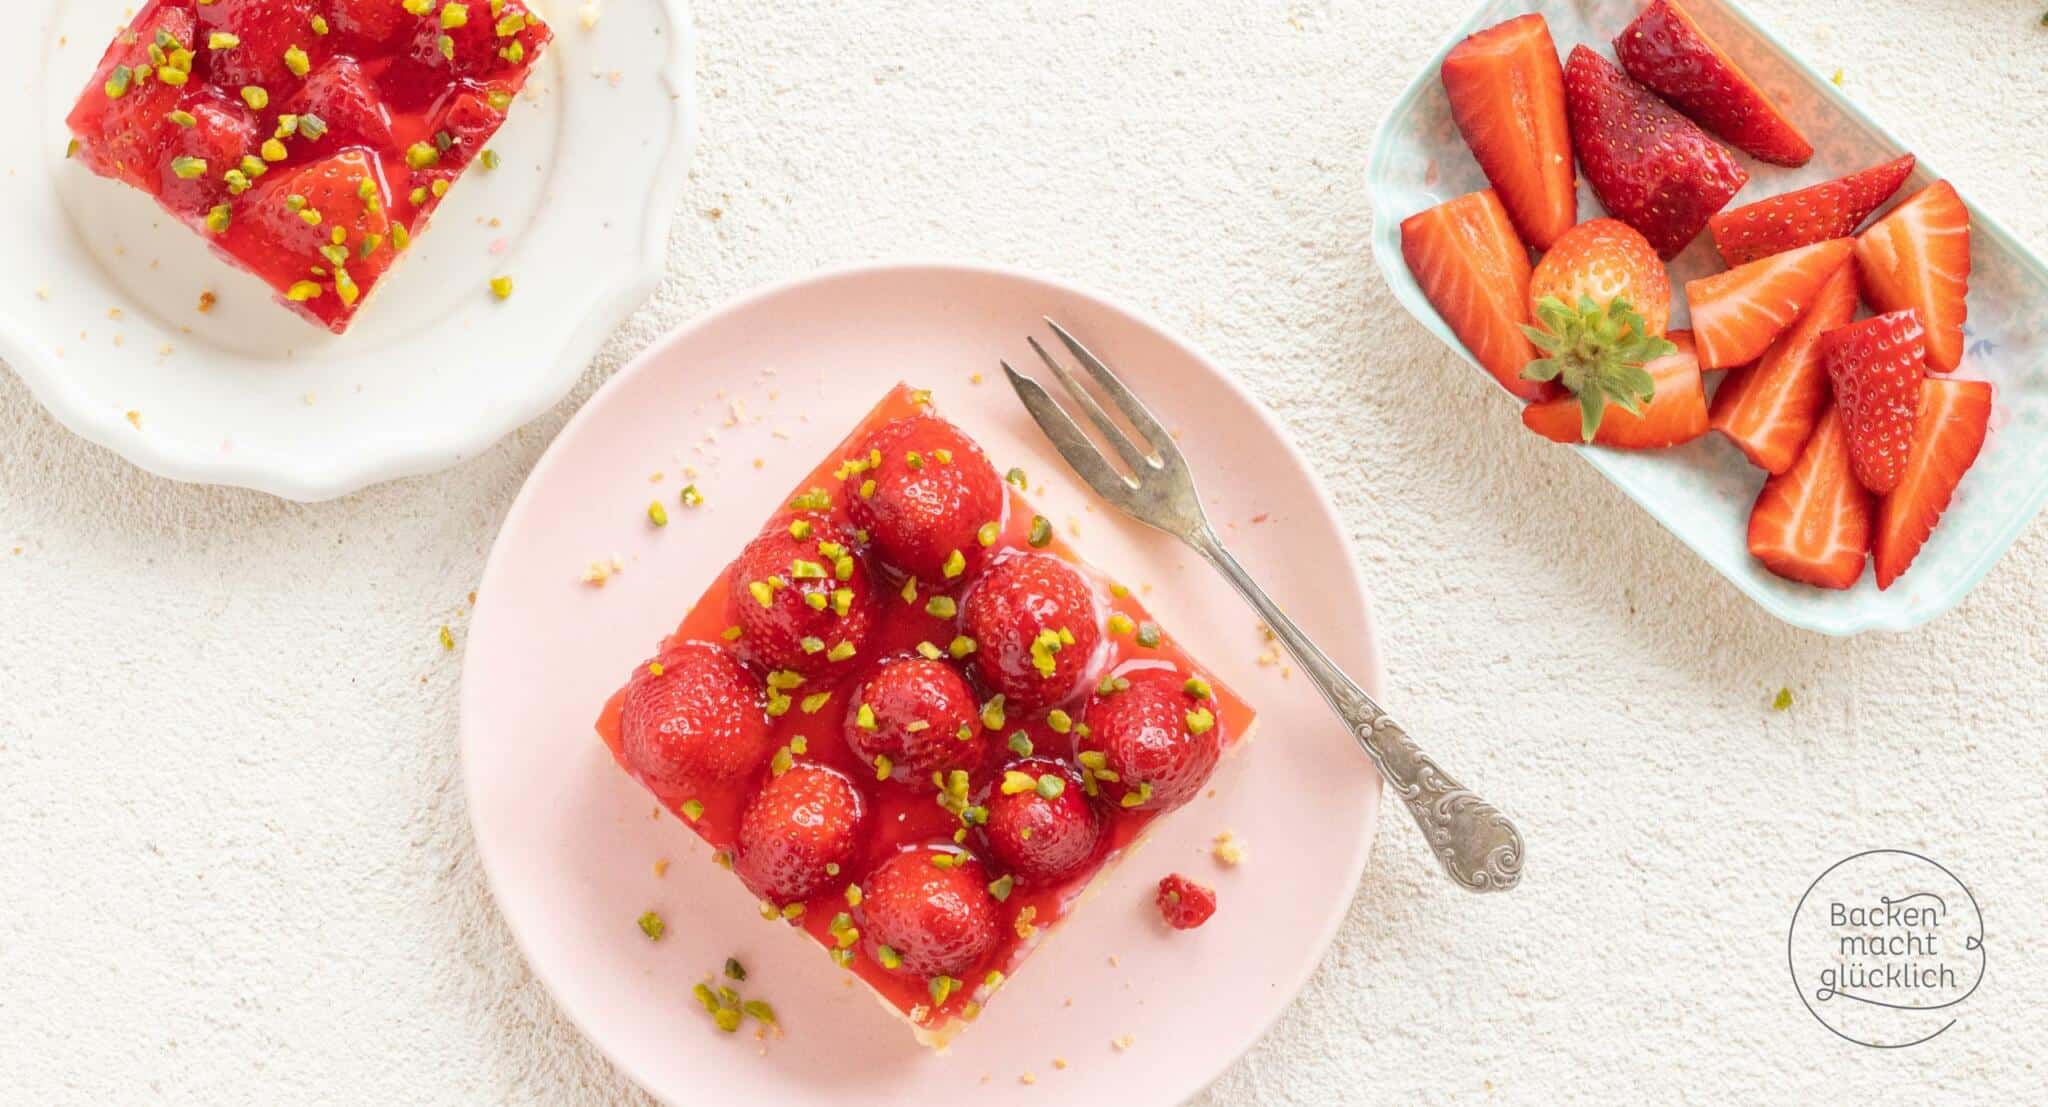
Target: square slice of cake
[914,723]
[307,140]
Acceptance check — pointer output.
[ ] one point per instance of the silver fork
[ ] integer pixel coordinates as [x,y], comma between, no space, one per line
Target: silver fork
[1477,845]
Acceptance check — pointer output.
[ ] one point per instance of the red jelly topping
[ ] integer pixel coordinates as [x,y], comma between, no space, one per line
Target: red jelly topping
[922,812]
[308,140]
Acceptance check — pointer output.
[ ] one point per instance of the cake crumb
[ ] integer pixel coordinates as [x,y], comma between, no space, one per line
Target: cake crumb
[206,301]
[42,292]
[1228,850]
[135,419]
[975,379]
[1059,1063]
[1112,960]
[661,866]
[1027,1078]
[1123,1043]
[598,572]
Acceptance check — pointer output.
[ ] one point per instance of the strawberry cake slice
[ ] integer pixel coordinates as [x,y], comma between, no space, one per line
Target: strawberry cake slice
[307,140]
[913,723]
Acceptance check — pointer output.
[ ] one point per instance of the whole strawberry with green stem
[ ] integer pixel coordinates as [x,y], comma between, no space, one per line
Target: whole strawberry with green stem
[1601,301]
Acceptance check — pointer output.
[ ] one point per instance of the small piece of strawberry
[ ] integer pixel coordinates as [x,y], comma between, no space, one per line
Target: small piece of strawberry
[1770,408]
[1651,167]
[1035,625]
[802,596]
[1468,261]
[1674,412]
[269,44]
[800,834]
[1830,209]
[1918,257]
[924,919]
[694,716]
[1183,903]
[1506,91]
[1666,51]
[1153,738]
[923,491]
[1811,523]
[370,23]
[1041,824]
[1954,417]
[921,716]
[1736,315]
[1875,367]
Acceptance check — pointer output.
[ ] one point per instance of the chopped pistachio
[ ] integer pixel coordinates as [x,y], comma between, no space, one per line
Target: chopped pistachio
[730,634]
[941,607]
[1001,887]
[929,652]
[840,652]
[420,155]
[693,809]
[188,168]
[657,514]
[1050,786]
[992,712]
[490,159]
[759,1011]
[889,958]
[1111,685]
[989,532]
[726,1019]
[883,767]
[1201,721]
[1148,634]
[1041,532]
[909,591]
[865,718]
[1017,783]
[1197,687]
[652,926]
[690,496]
[501,287]
[296,60]
[960,646]
[119,82]
[1016,477]
[1783,700]
[816,700]
[219,218]
[956,563]
[734,970]
[1020,744]
[1059,721]
[454,15]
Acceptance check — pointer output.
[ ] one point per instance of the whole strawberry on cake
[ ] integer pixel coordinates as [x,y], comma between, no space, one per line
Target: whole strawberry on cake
[309,141]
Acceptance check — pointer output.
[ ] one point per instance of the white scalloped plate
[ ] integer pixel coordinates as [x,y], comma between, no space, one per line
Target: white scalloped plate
[99,293]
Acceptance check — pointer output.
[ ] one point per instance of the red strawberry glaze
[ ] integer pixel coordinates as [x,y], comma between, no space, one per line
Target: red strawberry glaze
[404,127]
[903,814]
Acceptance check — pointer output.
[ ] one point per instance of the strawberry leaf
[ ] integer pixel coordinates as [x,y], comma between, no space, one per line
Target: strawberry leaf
[1597,352]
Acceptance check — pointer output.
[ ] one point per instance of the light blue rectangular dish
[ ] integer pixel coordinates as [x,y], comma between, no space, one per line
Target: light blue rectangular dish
[1702,491]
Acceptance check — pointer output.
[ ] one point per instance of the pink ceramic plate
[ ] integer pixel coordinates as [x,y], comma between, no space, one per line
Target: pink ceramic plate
[748,399]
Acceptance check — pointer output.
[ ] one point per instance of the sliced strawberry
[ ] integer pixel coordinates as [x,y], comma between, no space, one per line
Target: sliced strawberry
[1736,315]
[1954,416]
[292,220]
[1918,257]
[1506,90]
[921,717]
[923,491]
[348,105]
[370,23]
[1667,51]
[1676,411]
[1831,209]
[1769,409]
[803,598]
[1468,261]
[925,919]
[122,120]
[1183,903]
[268,44]
[694,716]
[800,834]
[1811,523]
[1876,366]
[1041,824]
[1651,167]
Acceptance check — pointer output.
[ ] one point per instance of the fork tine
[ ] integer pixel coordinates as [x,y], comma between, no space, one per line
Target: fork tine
[1069,439]
[1125,448]
[1126,401]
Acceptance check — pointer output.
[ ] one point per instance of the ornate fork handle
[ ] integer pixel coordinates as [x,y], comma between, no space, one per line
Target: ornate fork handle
[1477,845]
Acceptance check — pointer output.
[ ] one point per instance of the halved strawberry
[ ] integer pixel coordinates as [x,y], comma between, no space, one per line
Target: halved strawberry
[1954,416]
[122,121]
[268,44]
[1736,315]
[1652,168]
[1876,366]
[329,218]
[348,103]
[1918,257]
[1812,522]
[1465,255]
[1506,90]
[1667,51]
[1831,209]
[1676,410]
[1769,409]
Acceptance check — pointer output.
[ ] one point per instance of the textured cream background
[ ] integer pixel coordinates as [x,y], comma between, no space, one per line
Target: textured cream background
[234,862]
